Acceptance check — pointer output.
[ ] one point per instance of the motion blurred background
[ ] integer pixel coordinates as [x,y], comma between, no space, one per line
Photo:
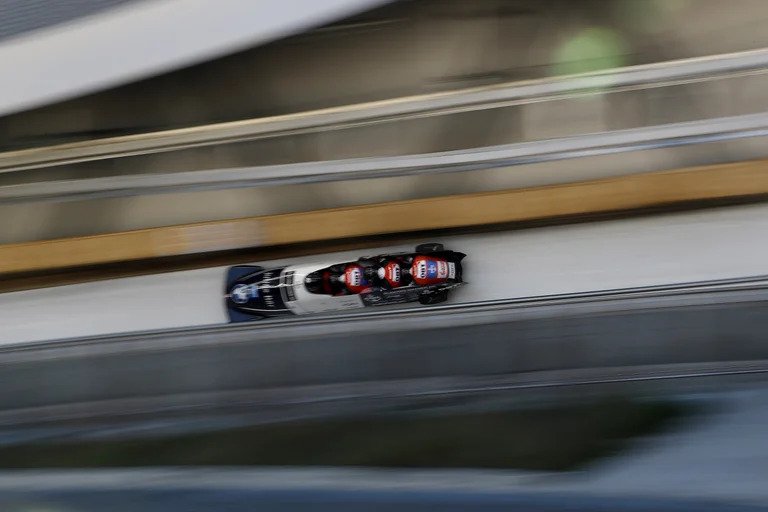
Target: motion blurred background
[601,162]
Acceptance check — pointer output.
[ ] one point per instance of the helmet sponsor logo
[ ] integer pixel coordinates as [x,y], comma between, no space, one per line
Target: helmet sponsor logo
[393,274]
[430,270]
[354,278]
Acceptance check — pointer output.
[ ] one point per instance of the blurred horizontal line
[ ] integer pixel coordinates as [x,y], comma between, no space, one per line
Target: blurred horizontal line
[691,186]
[412,106]
[270,400]
[417,318]
[604,143]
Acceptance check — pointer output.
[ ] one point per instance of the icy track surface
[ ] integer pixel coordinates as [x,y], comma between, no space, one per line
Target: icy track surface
[684,247]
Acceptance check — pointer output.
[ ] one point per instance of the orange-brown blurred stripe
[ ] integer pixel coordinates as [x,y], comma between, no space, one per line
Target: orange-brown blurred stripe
[730,181]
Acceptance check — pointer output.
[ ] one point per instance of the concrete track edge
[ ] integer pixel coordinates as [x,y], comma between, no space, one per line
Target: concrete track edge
[698,328]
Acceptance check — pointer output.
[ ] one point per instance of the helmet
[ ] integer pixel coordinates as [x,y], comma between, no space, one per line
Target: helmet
[354,278]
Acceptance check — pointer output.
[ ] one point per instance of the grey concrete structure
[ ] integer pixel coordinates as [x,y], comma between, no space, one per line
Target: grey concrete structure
[382,55]
[479,159]
[407,48]
[41,221]
[214,499]
[638,328]
[732,69]
[527,121]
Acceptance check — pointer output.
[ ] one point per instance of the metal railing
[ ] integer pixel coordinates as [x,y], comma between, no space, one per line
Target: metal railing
[651,75]
[604,143]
